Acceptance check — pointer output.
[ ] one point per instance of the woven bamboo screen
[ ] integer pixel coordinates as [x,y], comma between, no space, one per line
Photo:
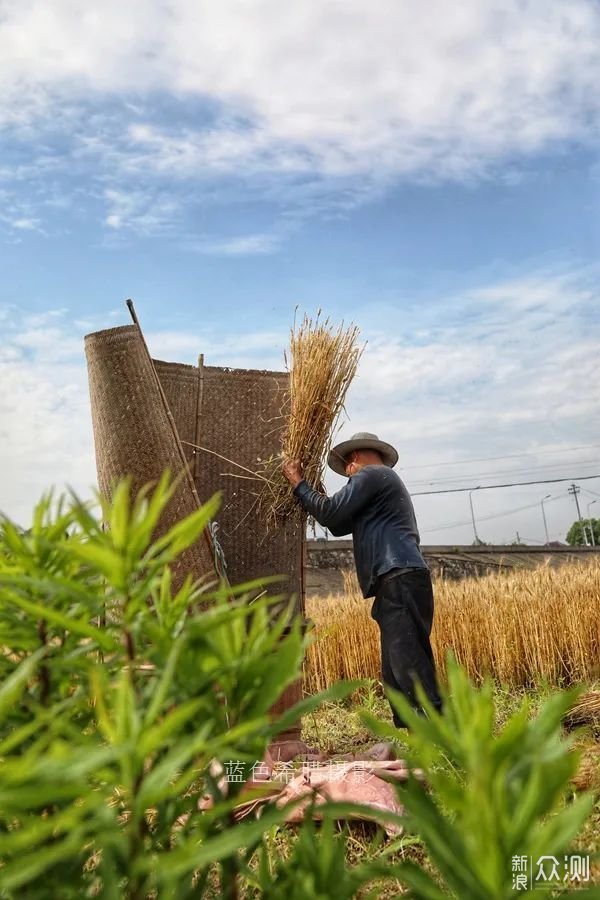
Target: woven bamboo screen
[134,432]
[238,413]
[146,414]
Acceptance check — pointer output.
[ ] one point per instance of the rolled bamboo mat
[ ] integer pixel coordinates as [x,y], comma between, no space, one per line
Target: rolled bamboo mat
[135,435]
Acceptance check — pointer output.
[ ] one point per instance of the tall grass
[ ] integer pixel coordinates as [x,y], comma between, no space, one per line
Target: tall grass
[522,628]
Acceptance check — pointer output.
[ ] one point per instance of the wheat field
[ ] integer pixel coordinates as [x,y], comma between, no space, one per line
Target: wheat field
[523,628]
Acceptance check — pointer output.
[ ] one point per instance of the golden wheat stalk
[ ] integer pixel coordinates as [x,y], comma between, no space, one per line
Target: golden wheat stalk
[522,628]
[322,362]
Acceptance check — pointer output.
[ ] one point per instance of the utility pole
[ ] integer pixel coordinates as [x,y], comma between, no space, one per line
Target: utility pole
[591,524]
[574,489]
[547,497]
[477,540]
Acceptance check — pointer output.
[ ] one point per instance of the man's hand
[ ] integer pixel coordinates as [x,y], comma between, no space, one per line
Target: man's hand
[292,469]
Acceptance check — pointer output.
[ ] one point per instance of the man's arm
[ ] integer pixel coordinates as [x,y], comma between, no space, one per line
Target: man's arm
[337,512]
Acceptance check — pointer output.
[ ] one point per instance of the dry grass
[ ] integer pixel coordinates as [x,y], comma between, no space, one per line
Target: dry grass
[586,711]
[322,363]
[524,628]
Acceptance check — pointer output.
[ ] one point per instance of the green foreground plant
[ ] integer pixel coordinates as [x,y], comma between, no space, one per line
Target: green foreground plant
[123,701]
[493,797]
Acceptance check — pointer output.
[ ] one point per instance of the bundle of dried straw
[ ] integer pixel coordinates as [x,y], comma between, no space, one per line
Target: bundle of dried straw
[322,362]
[585,711]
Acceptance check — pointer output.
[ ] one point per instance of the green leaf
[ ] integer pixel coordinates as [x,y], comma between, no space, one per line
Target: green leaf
[17,681]
[33,831]
[119,515]
[101,557]
[28,866]
[183,534]
[284,667]
[156,783]
[489,795]
[558,832]
[380,729]
[445,843]
[77,626]
[337,691]
[196,854]
[98,686]
[422,885]
[127,721]
[164,683]
[169,727]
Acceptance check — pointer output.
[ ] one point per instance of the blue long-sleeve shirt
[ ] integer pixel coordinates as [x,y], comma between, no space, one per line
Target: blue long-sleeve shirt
[376,507]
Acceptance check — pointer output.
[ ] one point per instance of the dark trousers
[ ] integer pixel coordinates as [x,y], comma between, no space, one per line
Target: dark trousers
[403,609]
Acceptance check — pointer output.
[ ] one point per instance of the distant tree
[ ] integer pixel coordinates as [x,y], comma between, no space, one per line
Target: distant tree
[575,535]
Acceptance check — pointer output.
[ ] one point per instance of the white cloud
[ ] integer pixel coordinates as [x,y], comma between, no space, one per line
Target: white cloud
[514,351]
[507,369]
[243,245]
[143,212]
[157,108]
[46,435]
[368,92]
[26,224]
[16,215]
[254,350]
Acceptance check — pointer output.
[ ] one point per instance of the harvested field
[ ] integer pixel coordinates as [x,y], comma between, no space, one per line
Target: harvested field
[524,628]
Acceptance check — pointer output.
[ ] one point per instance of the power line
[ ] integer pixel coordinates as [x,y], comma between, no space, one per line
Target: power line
[593,493]
[507,512]
[531,470]
[461,462]
[487,487]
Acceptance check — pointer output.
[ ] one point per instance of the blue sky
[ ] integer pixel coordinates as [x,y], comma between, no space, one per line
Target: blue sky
[434,179]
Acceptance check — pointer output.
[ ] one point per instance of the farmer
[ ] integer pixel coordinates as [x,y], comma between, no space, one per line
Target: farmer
[376,507]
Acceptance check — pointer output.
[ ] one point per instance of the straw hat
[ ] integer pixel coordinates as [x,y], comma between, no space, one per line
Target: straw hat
[362,440]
